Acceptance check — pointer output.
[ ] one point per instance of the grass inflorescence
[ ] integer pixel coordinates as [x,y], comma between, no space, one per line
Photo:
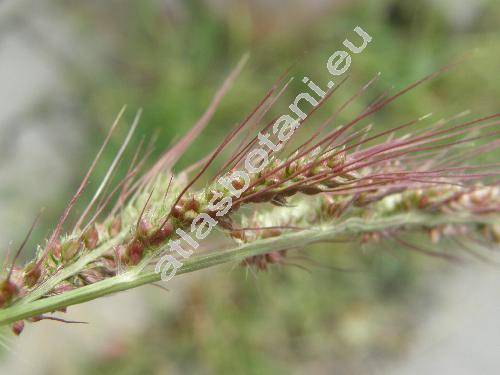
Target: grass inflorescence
[349,182]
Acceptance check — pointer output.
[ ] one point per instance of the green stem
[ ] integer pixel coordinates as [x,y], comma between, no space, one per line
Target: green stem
[33,305]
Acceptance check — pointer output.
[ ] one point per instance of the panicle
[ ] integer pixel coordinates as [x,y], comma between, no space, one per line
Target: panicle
[347,172]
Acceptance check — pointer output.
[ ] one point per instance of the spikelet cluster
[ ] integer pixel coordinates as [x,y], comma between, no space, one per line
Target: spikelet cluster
[336,175]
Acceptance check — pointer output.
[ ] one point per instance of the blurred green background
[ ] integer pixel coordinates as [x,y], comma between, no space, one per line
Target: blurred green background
[168,57]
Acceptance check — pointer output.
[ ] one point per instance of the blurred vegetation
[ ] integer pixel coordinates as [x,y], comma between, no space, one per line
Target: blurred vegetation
[327,321]
[169,58]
